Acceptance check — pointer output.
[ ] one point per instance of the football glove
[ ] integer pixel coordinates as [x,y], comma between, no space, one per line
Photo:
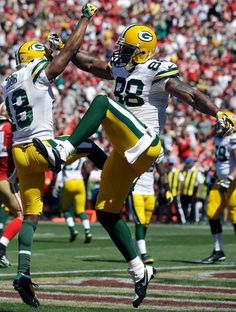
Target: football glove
[88,10]
[225,183]
[169,197]
[55,42]
[226,123]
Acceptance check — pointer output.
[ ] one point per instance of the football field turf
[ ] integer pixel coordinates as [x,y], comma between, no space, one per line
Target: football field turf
[93,277]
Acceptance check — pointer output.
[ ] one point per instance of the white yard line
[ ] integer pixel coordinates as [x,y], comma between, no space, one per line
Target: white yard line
[160,269]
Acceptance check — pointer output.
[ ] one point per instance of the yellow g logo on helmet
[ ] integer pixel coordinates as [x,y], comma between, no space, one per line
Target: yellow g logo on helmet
[29,51]
[37,46]
[145,36]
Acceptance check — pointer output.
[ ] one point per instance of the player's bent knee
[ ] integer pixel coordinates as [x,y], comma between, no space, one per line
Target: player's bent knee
[102,100]
[32,219]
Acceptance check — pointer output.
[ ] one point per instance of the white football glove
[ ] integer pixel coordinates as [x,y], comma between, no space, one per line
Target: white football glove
[225,183]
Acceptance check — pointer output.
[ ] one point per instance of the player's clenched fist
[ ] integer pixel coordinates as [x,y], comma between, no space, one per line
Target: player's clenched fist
[55,42]
[88,10]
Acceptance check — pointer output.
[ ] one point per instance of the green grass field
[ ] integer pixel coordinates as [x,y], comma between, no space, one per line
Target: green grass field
[93,277]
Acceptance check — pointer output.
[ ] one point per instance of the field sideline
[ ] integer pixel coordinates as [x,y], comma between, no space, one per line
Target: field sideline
[93,277]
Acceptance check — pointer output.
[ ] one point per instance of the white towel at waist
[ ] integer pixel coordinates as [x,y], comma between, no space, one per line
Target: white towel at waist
[143,143]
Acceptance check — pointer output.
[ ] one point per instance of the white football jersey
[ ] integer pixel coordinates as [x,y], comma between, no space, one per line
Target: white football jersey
[73,171]
[145,183]
[225,160]
[29,100]
[142,89]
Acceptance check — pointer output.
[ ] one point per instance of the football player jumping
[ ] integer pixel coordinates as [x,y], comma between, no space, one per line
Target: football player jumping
[143,85]
[29,101]
[223,193]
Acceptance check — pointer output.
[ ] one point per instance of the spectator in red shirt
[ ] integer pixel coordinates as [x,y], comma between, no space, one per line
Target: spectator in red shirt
[184,145]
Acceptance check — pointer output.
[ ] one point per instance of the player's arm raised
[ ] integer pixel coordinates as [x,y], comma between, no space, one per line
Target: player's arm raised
[191,96]
[72,45]
[93,65]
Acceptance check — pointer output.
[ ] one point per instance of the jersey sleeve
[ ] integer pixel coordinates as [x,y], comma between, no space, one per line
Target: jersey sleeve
[166,69]
[37,71]
[233,140]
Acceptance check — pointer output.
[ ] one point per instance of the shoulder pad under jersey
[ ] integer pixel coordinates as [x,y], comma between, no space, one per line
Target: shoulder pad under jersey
[163,69]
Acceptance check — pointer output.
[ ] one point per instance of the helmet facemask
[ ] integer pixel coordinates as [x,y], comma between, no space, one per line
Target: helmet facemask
[123,55]
[226,124]
[221,132]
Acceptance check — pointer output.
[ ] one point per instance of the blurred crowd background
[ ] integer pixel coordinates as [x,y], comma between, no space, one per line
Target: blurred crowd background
[199,36]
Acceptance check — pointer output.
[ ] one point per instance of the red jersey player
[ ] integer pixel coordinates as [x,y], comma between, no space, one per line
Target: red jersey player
[8,191]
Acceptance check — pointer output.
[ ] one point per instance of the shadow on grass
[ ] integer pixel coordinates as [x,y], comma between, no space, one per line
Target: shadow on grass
[49,240]
[102,260]
[184,261]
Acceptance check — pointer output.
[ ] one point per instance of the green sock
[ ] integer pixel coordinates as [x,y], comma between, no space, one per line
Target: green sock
[25,240]
[119,233]
[90,121]
[140,232]
[82,216]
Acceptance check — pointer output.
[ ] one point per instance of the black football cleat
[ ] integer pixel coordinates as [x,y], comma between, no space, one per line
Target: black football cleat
[25,288]
[50,154]
[216,256]
[88,238]
[142,285]
[73,236]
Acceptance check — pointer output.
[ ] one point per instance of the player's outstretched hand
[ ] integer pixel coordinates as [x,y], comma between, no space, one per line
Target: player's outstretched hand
[88,10]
